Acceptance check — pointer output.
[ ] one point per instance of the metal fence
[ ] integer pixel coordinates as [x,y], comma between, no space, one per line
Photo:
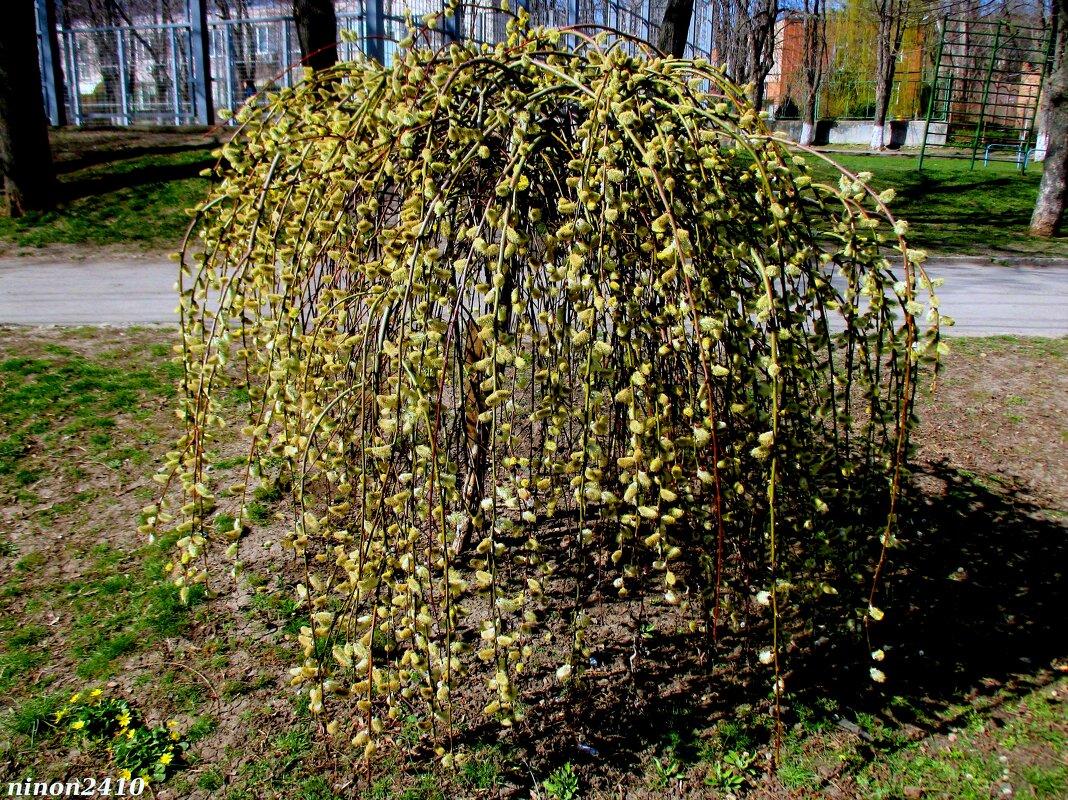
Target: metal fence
[148,73]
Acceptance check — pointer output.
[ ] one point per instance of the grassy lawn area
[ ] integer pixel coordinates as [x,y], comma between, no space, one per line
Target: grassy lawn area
[952,209]
[975,703]
[131,188]
[118,188]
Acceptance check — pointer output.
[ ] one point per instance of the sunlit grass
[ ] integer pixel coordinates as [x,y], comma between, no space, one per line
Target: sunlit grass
[953,209]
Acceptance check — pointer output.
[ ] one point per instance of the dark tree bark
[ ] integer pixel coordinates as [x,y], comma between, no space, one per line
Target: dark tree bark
[1053,189]
[317,31]
[891,16]
[25,154]
[813,62]
[675,28]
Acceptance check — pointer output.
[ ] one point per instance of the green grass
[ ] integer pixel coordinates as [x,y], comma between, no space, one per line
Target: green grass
[32,718]
[288,769]
[975,757]
[71,395]
[111,195]
[16,664]
[980,346]
[482,771]
[116,195]
[116,613]
[210,780]
[57,405]
[952,209]
[203,726]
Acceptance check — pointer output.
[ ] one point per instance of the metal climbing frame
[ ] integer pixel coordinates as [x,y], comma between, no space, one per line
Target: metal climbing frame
[985,96]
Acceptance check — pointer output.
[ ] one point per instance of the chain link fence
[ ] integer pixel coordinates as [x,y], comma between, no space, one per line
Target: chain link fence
[145,74]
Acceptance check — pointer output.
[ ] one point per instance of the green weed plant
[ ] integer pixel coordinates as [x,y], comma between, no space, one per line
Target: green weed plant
[136,750]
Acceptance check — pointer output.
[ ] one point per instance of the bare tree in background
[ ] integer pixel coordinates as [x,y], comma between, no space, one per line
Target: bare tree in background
[813,64]
[316,22]
[25,154]
[158,45]
[100,14]
[129,14]
[1053,189]
[242,43]
[891,17]
[743,41]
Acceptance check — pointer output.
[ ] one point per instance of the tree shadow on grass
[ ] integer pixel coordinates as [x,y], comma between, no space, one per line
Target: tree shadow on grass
[141,176]
[113,155]
[974,603]
[924,187]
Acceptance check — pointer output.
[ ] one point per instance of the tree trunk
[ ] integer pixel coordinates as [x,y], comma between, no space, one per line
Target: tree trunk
[761,35]
[756,94]
[884,80]
[743,42]
[729,46]
[25,154]
[891,17]
[808,123]
[1053,190]
[878,125]
[317,31]
[675,29]
[815,47]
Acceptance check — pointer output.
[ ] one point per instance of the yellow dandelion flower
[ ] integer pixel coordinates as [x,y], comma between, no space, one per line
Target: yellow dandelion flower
[125,774]
[61,714]
[74,698]
[166,758]
[77,726]
[96,692]
[175,736]
[172,723]
[130,733]
[123,719]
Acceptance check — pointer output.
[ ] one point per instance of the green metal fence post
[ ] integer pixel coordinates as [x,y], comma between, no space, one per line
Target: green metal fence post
[986,94]
[934,93]
[203,102]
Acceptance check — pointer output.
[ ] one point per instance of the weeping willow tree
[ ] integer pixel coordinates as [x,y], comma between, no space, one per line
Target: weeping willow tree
[486,296]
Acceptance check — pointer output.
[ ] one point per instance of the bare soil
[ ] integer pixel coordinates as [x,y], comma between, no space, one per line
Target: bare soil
[975,597]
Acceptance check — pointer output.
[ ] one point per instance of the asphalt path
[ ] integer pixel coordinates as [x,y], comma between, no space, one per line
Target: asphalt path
[122,293]
[1022,297]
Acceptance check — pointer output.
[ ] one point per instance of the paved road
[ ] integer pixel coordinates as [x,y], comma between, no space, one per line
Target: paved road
[989,299]
[985,299]
[34,292]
